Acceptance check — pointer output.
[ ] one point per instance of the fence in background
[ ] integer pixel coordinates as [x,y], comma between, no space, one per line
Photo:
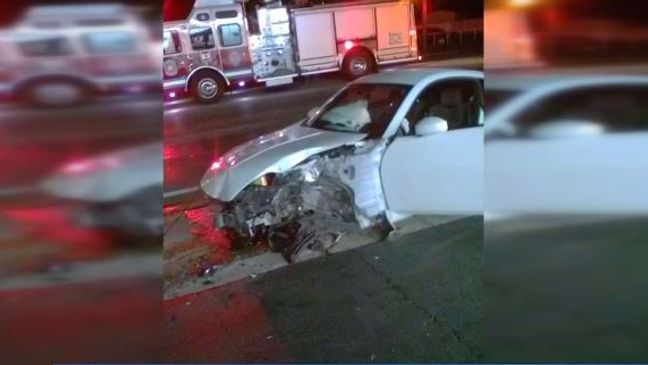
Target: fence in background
[463,36]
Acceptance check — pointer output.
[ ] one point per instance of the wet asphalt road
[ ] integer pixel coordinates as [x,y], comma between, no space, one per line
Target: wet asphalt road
[34,141]
[559,292]
[50,310]
[416,299]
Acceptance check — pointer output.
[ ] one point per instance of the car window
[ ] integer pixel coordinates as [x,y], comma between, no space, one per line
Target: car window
[230,35]
[202,17]
[613,108]
[361,108]
[493,98]
[109,42]
[458,101]
[202,37]
[172,43]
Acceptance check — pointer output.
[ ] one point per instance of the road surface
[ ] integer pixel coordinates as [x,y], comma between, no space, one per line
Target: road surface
[34,141]
[567,289]
[414,299]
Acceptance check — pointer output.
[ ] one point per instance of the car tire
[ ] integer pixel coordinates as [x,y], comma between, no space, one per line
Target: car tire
[358,63]
[207,87]
[55,93]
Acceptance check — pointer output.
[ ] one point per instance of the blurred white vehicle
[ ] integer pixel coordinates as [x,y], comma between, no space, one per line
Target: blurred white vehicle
[120,190]
[384,147]
[64,54]
[567,144]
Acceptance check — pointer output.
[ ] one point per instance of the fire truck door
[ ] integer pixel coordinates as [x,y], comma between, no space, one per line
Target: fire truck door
[233,48]
[316,41]
[393,23]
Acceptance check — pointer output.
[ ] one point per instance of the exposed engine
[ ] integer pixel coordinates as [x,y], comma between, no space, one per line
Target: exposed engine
[312,205]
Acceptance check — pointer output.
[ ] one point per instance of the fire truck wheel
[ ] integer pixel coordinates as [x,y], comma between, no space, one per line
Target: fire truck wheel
[357,64]
[55,93]
[207,87]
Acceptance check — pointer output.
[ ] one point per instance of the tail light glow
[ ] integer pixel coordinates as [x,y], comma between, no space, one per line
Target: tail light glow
[348,45]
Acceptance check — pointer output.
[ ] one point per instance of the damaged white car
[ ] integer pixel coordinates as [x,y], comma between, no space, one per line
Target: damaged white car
[385,147]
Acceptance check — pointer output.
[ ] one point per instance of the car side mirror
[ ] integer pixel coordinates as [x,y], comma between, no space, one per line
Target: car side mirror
[567,128]
[311,113]
[431,125]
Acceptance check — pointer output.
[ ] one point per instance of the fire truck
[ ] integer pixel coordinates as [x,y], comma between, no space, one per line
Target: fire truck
[59,55]
[224,44]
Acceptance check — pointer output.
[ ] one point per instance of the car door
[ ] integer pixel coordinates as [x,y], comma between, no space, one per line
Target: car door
[438,173]
[559,162]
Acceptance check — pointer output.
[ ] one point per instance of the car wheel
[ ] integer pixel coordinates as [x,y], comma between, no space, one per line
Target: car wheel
[357,64]
[207,87]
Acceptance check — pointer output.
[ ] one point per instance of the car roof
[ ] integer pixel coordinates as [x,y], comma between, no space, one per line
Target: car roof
[414,75]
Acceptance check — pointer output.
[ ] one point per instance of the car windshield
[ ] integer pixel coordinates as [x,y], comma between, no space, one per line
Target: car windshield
[361,108]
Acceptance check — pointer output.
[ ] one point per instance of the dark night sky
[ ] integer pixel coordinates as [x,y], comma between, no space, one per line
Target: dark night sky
[10,10]
[467,8]
[628,10]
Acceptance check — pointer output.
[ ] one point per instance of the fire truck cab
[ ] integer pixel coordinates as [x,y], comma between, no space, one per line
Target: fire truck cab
[225,43]
[206,53]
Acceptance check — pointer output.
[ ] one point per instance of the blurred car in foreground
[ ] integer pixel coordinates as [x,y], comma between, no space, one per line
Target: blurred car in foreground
[65,54]
[567,144]
[383,148]
[120,190]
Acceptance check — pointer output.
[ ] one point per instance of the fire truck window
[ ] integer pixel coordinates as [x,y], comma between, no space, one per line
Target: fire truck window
[171,42]
[47,24]
[99,22]
[109,42]
[202,37]
[50,46]
[202,17]
[230,35]
[226,14]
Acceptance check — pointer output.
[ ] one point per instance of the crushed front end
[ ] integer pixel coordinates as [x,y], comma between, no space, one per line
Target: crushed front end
[313,204]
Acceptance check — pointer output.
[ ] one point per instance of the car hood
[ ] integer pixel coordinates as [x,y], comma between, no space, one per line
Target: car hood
[276,152]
